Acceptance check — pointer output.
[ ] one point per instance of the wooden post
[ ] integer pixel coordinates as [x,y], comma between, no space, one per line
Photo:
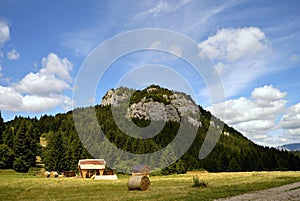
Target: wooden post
[83,174]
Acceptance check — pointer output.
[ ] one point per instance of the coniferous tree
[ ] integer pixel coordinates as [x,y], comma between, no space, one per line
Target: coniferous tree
[233,165]
[8,136]
[2,127]
[6,157]
[24,147]
[55,154]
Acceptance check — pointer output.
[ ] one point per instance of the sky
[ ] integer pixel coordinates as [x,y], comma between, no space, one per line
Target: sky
[253,47]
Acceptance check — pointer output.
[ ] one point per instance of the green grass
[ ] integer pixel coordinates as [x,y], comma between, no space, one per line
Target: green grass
[15,186]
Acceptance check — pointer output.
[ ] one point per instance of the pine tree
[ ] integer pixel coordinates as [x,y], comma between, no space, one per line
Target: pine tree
[6,157]
[2,127]
[8,136]
[24,147]
[55,155]
[233,165]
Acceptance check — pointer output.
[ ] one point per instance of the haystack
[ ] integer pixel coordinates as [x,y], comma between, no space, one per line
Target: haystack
[138,183]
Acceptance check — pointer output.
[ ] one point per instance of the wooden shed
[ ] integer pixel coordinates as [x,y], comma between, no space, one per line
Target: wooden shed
[90,167]
[141,170]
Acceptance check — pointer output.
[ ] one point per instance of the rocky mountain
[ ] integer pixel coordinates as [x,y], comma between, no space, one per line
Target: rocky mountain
[154,103]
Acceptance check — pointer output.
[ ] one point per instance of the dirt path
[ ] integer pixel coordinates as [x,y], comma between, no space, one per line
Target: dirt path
[282,193]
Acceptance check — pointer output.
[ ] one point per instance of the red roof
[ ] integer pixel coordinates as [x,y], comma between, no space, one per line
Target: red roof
[91,162]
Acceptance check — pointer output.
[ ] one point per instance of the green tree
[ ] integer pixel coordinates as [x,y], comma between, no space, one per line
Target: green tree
[8,136]
[233,165]
[2,127]
[55,154]
[6,157]
[24,147]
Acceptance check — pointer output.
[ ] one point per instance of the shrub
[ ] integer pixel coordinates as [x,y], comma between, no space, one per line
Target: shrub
[34,170]
[197,183]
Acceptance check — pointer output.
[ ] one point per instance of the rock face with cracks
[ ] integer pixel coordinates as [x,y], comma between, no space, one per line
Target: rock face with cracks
[154,103]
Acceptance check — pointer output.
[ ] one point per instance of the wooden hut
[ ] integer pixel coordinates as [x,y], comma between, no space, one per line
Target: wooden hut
[141,170]
[90,167]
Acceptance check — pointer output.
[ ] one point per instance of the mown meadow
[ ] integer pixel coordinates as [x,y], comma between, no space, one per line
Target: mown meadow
[17,186]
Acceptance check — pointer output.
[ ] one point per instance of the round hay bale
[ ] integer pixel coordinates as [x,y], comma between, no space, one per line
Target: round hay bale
[47,174]
[138,183]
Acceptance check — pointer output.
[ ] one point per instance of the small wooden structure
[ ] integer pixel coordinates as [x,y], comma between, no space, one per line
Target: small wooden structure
[90,167]
[141,170]
[138,183]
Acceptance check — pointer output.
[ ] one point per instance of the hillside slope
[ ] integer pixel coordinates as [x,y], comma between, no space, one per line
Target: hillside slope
[124,117]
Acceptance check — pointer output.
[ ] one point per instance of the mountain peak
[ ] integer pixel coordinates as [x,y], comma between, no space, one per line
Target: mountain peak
[154,103]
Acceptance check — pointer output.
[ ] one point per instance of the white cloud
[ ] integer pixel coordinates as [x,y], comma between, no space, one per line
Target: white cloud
[41,84]
[234,44]
[16,102]
[255,117]
[268,93]
[41,91]
[39,104]
[4,32]
[240,56]
[13,55]
[53,65]
[53,77]
[160,7]
[291,135]
[291,120]
[10,99]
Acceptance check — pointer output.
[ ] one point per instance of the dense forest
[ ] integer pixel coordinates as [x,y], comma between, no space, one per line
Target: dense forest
[19,143]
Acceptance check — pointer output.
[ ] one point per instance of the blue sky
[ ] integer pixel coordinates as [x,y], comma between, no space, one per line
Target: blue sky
[254,46]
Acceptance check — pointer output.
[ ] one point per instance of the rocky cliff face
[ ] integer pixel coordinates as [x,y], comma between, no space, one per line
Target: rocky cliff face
[155,103]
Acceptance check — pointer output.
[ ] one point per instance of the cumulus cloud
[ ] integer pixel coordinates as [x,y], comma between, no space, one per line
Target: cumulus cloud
[256,116]
[291,120]
[13,55]
[40,91]
[234,44]
[53,77]
[4,32]
[239,56]
[268,93]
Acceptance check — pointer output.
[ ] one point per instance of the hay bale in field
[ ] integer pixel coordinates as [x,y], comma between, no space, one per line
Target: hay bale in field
[138,183]
[53,174]
[47,174]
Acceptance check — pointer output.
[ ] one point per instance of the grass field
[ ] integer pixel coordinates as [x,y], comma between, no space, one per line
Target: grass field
[174,187]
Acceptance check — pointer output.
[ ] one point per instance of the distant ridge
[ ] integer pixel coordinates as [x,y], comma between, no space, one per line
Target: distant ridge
[290,147]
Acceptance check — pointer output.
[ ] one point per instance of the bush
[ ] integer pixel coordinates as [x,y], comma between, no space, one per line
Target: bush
[20,165]
[34,170]
[197,183]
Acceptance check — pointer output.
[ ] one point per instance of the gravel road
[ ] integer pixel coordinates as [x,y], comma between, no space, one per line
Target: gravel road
[282,193]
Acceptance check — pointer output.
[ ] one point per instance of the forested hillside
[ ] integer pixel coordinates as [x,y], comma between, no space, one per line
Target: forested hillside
[19,138]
